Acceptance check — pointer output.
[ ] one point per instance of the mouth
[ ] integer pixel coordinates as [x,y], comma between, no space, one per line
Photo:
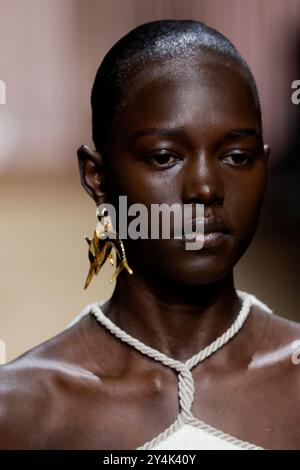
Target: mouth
[209,240]
[210,231]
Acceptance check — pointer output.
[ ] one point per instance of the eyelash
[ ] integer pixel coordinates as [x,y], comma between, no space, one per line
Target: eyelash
[152,158]
[249,157]
[161,155]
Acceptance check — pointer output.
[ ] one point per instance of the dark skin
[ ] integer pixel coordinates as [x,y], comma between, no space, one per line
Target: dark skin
[84,388]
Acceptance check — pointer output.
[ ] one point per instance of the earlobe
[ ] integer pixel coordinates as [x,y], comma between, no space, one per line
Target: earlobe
[91,173]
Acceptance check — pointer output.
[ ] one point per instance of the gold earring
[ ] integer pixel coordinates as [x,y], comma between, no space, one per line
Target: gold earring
[101,245]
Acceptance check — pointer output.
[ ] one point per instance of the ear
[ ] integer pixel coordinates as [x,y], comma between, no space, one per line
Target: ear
[267,151]
[91,168]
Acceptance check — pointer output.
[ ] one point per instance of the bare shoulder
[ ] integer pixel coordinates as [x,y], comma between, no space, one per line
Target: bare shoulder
[278,353]
[35,387]
[279,332]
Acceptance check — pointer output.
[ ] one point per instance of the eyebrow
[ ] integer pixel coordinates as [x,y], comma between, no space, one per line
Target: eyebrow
[236,133]
[180,132]
[159,131]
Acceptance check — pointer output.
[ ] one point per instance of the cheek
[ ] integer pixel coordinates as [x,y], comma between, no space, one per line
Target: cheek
[141,185]
[244,204]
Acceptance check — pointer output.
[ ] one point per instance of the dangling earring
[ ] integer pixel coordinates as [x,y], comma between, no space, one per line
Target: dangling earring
[100,247]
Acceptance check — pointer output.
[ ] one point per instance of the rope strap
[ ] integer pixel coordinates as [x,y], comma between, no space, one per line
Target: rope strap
[186,387]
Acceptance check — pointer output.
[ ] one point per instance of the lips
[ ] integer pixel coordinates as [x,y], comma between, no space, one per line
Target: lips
[211,224]
[206,228]
[207,225]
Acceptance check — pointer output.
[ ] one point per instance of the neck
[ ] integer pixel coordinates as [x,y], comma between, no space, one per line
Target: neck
[178,320]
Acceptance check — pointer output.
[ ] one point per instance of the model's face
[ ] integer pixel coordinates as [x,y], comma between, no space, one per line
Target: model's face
[204,146]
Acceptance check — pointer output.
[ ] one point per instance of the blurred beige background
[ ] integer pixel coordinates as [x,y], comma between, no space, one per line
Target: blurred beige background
[49,53]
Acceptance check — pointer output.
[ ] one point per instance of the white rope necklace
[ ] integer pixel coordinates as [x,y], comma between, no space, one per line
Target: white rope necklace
[185,378]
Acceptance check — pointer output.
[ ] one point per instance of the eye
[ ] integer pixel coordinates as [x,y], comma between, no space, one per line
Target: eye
[238,159]
[162,159]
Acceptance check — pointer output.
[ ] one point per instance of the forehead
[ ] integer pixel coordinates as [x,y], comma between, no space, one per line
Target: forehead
[200,95]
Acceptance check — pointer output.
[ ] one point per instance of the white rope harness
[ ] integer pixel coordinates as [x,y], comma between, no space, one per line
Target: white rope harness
[185,379]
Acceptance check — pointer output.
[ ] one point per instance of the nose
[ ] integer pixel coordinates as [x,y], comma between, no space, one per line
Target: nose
[203,181]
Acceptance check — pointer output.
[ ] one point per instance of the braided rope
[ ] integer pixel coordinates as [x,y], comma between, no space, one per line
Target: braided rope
[186,387]
[247,300]
[185,378]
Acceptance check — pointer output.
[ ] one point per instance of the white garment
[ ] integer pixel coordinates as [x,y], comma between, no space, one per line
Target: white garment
[195,435]
[189,437]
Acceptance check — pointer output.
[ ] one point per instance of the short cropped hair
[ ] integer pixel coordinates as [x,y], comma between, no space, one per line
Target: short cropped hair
[162,40]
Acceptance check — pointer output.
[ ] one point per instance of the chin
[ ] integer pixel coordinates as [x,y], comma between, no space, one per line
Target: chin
[194,270]
[173,263]
[203,276]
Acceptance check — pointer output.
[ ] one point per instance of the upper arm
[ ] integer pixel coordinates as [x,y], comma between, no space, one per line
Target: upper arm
[21,409]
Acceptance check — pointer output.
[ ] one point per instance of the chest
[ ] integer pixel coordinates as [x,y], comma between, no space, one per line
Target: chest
[128,411]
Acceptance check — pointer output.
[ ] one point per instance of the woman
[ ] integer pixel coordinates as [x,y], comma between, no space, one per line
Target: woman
[176,119]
